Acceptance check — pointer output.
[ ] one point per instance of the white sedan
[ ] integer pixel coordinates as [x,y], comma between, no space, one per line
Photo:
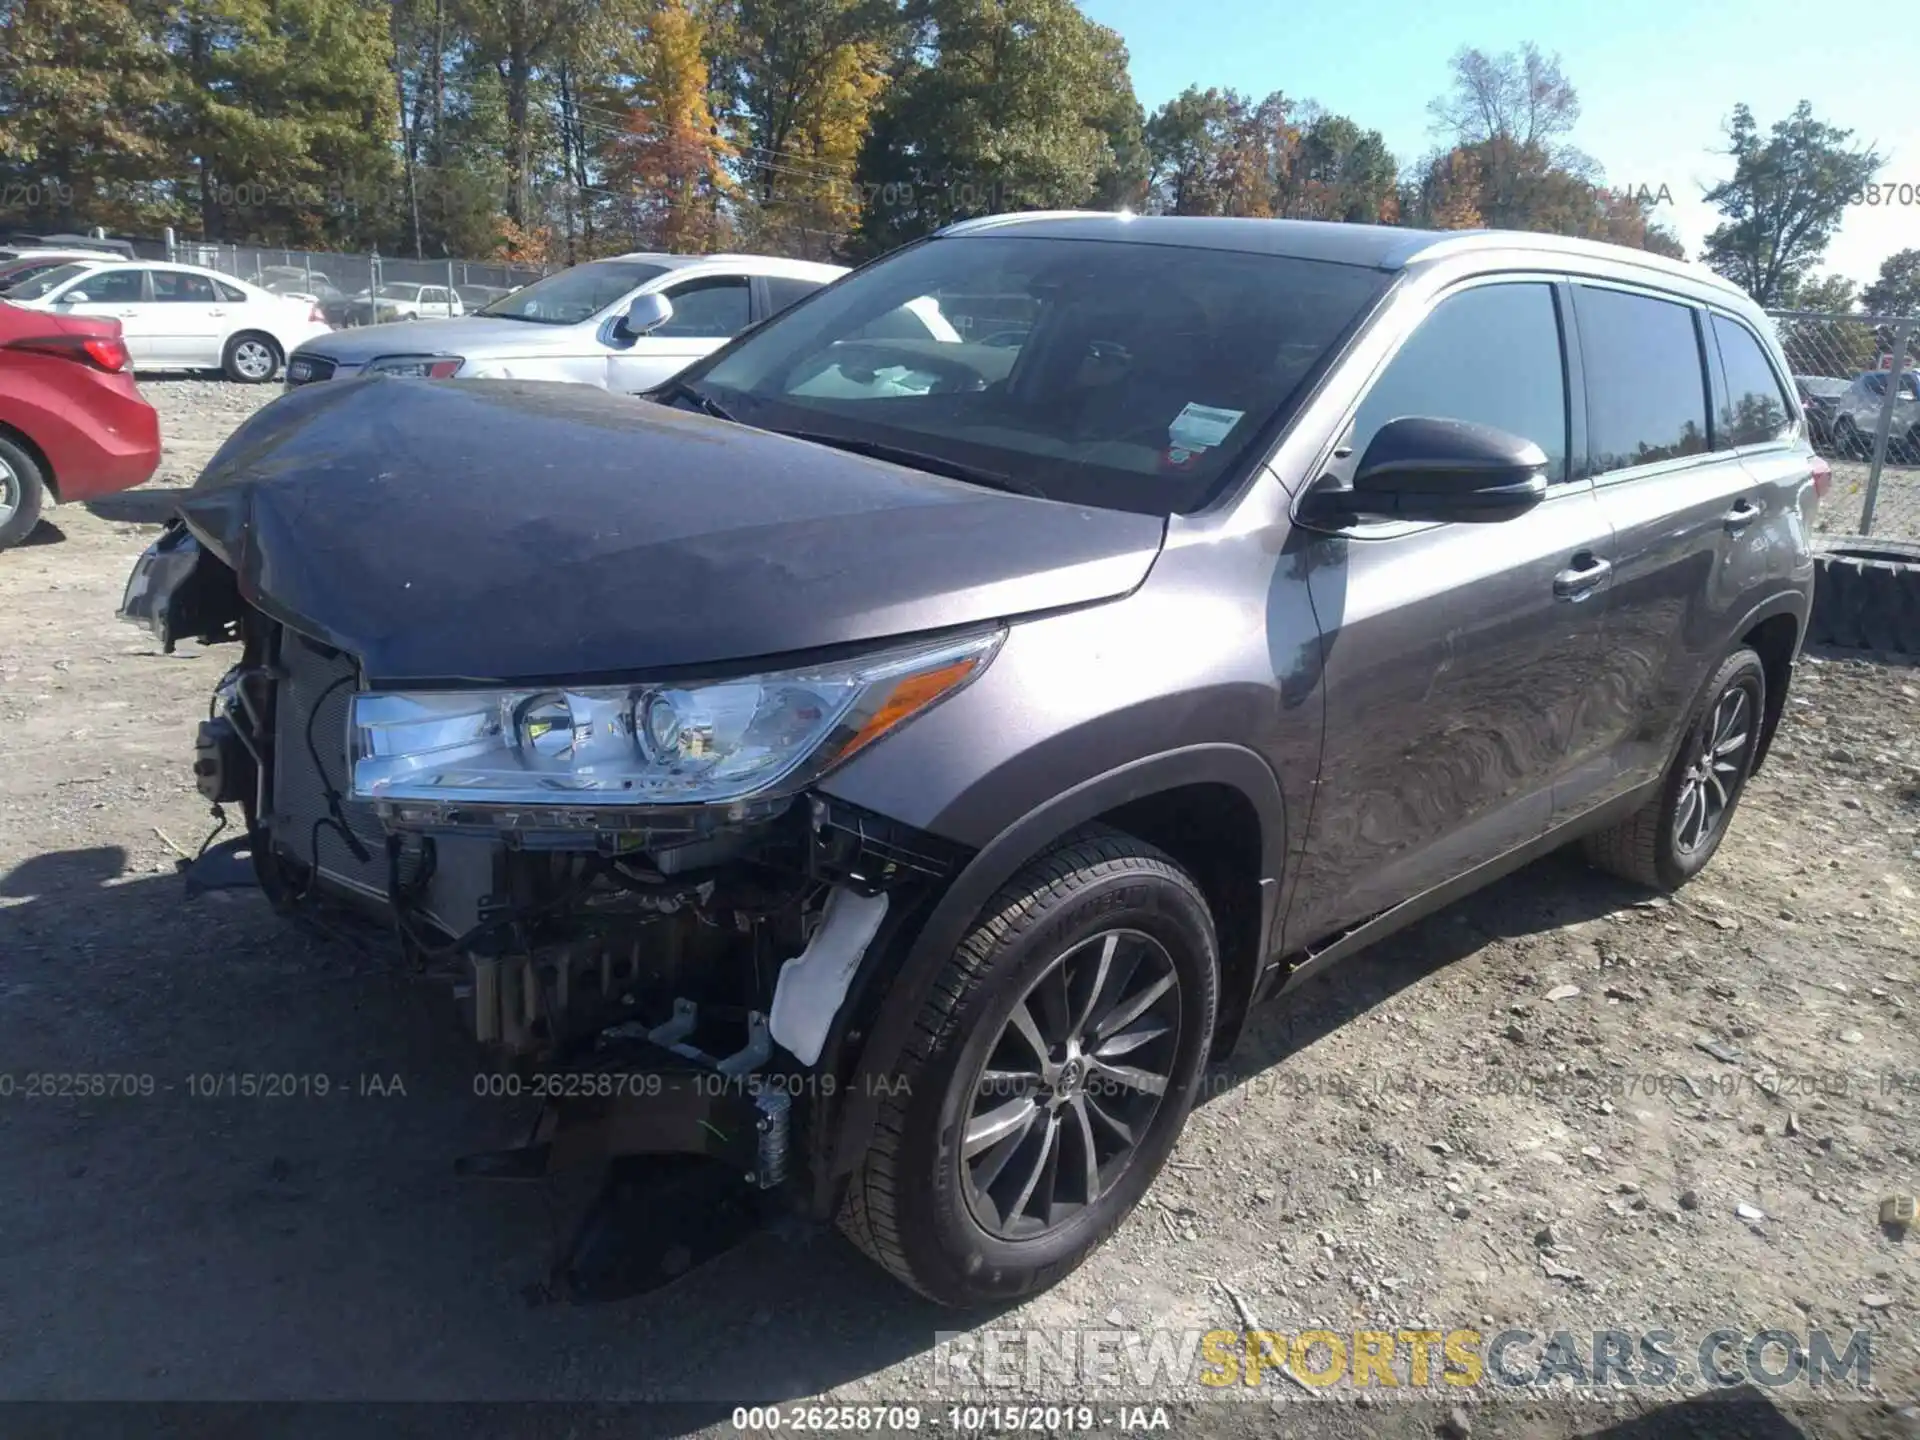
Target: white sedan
[626,323]
[181,317]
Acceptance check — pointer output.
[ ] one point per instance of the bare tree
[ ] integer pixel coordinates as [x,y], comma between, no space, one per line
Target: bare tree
[1520,96]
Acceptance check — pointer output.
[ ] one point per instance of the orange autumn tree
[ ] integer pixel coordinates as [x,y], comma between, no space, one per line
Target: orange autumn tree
[670,165]
[808,198]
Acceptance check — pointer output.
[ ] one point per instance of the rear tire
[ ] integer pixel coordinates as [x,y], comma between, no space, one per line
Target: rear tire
[1080,936]
[251,358]
[23,490]
[1670,839]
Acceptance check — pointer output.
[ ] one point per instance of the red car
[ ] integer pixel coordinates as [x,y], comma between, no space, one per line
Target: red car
[73,425]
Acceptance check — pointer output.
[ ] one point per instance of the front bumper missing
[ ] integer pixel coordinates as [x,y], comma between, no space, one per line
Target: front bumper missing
[655,1095]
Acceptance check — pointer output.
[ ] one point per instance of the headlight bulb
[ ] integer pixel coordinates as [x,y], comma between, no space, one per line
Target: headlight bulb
[546,727]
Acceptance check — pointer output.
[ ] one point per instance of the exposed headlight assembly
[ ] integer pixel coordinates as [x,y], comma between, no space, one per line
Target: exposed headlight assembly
[425,367]
[670,744]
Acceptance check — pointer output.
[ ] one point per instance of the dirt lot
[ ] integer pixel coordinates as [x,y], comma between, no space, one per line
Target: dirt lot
[1539,1109]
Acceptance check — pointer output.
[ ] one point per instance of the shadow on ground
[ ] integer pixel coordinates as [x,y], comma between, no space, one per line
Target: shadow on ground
[261,1203]
[1558,890]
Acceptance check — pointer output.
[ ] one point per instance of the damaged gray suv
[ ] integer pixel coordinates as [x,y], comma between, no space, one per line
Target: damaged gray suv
[891,759]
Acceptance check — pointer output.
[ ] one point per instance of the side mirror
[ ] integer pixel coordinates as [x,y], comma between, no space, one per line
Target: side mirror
[646,313]
[72,297]
[1423,468]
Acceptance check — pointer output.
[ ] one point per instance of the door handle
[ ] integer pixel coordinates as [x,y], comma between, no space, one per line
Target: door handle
[129,314]
[1587,573]
[216,314]
[1743,514]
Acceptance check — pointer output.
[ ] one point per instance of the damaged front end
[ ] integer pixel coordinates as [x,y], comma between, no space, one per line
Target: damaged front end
[542,681]
[646,914]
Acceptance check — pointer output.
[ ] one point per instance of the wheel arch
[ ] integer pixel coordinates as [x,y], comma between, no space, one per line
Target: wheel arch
[1207,806]
[14,435]
[1774,630]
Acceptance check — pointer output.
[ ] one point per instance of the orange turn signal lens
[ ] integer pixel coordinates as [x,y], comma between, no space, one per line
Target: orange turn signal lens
[911,694]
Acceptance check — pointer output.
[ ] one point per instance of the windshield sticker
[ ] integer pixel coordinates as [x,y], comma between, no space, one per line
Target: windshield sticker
[1200,427]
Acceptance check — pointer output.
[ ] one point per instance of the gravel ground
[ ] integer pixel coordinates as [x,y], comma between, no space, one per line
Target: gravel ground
[1557,1105]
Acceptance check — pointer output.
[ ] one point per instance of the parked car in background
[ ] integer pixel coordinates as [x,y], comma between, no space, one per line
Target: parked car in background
[1819,399]
[73,425]
[181,317]
[297,282]
[404,300]
[943,771]
[29,263]
[580,324]
[1856,415]
[17,244]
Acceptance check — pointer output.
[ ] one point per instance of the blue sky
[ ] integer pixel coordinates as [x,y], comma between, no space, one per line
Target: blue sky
[1657,79]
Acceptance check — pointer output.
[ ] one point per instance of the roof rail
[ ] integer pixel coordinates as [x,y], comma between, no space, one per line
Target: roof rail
[1470,241]
[993,222]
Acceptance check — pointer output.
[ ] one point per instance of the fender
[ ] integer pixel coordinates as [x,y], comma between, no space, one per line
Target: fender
[956,910]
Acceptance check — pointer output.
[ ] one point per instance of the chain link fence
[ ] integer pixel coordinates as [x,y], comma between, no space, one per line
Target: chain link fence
[1859,382]
[350,288]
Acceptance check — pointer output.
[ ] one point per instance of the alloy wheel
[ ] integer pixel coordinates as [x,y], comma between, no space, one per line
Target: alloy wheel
[1071,1084]
[1716,773]
[253,359]
[10,490]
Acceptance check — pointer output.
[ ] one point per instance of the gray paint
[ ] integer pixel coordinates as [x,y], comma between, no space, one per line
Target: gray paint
[1424,703]
[1421,701]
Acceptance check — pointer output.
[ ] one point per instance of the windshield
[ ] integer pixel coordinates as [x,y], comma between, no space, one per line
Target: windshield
[18,271]
[577,294]
[1111,373]
[46,282]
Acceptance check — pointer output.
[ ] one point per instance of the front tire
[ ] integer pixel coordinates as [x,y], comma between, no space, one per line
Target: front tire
[1047,1079]
[251,358]
[23,492]
[1670,839]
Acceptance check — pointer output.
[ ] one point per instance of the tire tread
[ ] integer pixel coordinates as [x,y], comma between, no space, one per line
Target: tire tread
[869,1212]
[1632,848]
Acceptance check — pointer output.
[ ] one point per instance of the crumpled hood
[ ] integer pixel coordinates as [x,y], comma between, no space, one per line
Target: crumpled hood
[495,530]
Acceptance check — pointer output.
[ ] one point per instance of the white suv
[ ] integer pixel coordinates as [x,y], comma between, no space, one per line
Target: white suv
[584,324]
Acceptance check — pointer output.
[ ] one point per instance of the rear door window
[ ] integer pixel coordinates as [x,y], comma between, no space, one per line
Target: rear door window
[1756,409]
[785,290]
[183,287]
[1646,387]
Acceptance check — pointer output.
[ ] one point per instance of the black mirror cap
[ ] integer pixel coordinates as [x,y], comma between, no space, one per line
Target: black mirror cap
[1421,467]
